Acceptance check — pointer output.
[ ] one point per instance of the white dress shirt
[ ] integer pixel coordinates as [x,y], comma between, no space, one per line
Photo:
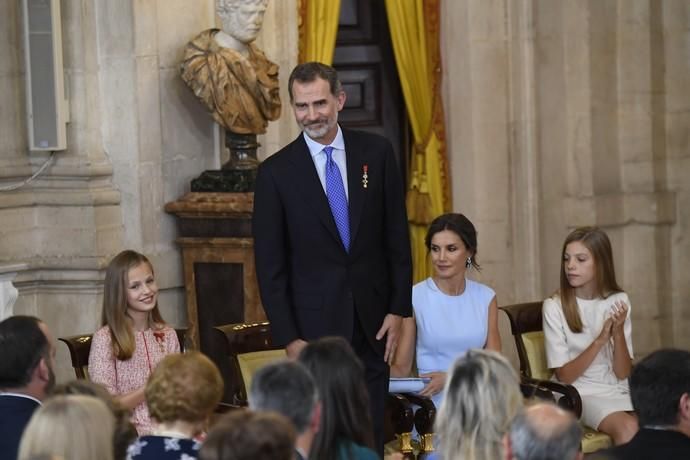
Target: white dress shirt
[319,158]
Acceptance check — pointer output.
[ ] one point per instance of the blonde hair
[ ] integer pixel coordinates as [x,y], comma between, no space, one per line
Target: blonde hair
[115,303]
[184,387]
[599,245]
[482,396]
[73,427]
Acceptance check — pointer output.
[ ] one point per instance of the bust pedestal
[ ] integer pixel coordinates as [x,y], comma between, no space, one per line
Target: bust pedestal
[218,257]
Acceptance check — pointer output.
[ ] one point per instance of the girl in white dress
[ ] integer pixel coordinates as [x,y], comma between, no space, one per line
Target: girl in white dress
[587,333]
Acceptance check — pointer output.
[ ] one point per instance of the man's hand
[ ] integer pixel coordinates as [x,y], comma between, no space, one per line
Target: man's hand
[391,328]
[294,348]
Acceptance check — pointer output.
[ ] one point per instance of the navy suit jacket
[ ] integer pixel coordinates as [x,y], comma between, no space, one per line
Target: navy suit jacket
[310,286]
[650,444]
[15,412]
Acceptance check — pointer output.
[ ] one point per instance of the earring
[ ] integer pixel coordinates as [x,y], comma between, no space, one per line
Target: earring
[468,263]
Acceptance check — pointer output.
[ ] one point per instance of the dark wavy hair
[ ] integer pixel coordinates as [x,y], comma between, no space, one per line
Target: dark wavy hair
[339,376]
[461,226]
[309,71]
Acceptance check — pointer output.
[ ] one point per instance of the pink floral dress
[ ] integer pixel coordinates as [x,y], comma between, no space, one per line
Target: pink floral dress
[122,377]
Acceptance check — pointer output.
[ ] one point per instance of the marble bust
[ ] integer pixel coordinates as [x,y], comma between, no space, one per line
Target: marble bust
[229,74]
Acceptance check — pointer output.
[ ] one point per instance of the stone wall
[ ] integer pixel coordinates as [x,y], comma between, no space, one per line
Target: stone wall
[570,113]
[560,113]
[136,138]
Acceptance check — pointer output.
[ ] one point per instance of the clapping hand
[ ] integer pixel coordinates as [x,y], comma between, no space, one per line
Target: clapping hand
[619,311]
[613,325]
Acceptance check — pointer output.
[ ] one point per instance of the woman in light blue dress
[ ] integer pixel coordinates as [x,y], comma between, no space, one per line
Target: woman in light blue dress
[452,314]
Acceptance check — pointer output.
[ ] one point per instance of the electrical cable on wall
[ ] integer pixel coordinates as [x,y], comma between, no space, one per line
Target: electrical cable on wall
[8,188]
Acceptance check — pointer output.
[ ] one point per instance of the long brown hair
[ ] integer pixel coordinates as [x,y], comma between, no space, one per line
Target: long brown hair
[341,384]
[115,303]
[596,240]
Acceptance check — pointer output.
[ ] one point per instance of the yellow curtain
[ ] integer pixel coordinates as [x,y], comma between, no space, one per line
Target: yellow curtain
[415,28]
[318,26]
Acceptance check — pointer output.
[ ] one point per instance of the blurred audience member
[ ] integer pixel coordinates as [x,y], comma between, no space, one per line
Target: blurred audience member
[74,427]
[660,393]
[27,359]
[287,387]
[544,431]
[481,398]
[125,432]
[346,430]
[245,435]
[181,394]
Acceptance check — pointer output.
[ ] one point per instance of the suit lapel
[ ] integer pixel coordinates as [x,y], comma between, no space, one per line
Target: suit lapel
[307,181]
[356,191]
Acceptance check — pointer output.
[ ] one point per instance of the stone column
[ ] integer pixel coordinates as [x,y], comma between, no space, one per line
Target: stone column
[8,293]
[570,113]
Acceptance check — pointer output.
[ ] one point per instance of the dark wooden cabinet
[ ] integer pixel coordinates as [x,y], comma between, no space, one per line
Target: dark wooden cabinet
[218,257]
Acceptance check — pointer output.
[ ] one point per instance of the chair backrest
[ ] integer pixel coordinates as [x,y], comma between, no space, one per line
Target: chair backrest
[182,338]
[79,347]
[526,327]
[249,347]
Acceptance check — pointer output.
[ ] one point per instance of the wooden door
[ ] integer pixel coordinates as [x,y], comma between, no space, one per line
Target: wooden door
[365,63]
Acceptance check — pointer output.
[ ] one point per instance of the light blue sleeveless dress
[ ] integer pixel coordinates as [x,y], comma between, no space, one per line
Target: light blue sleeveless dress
[448,326]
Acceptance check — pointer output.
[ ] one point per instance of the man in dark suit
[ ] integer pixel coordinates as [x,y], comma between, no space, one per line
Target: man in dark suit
[27,358]
[660,393]
[331,238]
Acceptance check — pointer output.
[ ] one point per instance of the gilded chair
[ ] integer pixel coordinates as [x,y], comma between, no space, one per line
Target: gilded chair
[249,347]
[527,329]
[79,347]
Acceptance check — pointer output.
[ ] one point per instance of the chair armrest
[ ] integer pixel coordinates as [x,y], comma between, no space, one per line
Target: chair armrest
[424,419]
[238,400]
[569,399]
[222,408]
[426,414]
[402,414]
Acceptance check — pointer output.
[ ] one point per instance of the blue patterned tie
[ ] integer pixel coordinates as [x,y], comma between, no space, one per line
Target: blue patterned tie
[335,191]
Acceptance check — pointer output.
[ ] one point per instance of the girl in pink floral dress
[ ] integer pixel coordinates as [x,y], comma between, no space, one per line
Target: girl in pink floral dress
[134,338]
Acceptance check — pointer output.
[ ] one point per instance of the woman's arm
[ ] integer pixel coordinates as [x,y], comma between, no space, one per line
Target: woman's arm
[102,361]
[404,354]
[102,370]
[622,362]
[493,338]
[573,369]
[557,349]
[132,399]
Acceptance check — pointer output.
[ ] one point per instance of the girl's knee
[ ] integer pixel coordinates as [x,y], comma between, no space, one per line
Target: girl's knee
[630,426]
